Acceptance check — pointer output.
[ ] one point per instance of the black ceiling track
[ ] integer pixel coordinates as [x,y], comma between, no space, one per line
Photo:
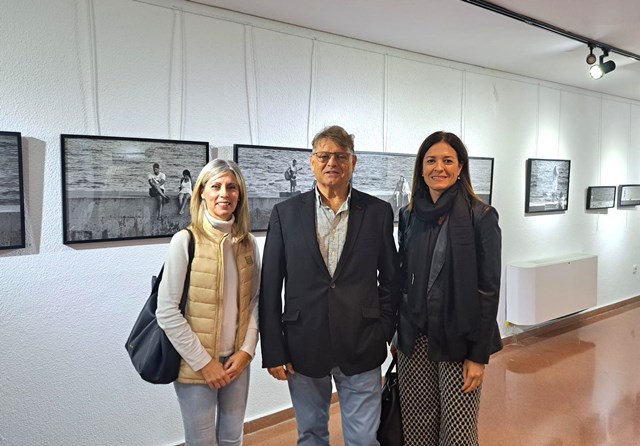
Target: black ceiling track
[549,27]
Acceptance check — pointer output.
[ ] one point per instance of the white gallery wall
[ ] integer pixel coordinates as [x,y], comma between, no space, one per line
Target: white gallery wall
[172,69]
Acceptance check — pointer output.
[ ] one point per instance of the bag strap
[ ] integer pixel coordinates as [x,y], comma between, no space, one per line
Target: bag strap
[185,289]
[390,368]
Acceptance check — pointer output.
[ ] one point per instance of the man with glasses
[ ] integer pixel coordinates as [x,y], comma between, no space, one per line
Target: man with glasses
[333,249]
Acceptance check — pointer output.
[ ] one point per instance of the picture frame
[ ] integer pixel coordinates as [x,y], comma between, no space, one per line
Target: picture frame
[481,172]
[387,176]
[112,190]
[601,197]
[547,185]
[265,172]
[628,195]
[12,213]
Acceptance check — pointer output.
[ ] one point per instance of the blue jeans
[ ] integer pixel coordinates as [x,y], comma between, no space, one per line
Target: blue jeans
[213,417]
[360,401]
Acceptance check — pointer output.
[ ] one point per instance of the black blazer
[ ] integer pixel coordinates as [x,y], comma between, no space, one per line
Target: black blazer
[443,345]
[344,320]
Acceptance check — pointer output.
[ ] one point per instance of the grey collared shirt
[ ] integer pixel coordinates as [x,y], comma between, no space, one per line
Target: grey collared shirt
[331,230]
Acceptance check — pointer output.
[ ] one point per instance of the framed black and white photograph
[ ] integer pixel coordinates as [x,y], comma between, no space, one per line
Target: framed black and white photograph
[12,233]
[547,188]
[272,174]
[117,188]
[601,197]
[629,195]
[388,176]
[481,171]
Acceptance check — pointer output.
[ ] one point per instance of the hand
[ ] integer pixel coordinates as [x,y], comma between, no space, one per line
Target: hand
[215,375]
[472,373]
[236,364]
[280,372]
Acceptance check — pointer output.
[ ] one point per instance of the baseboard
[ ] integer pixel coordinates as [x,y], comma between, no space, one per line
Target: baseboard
[268,420]
[275,418]
[573,321]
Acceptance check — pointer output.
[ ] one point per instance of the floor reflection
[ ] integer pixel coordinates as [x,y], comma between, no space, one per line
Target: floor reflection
[574,387]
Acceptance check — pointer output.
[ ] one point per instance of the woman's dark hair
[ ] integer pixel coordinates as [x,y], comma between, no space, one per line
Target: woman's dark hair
[186,172]
[463,158]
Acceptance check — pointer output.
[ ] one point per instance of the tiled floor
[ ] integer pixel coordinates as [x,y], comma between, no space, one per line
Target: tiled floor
[576,387]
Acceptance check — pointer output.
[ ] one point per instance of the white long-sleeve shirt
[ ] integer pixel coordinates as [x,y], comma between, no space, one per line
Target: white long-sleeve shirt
[174,324]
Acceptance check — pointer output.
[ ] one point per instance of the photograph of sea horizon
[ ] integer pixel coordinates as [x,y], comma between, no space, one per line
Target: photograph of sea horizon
[601,197]
[264,167]
[11,191]
[382,174]
[629,194]
[481,172]
[388,176]
[547,185]
[106,186]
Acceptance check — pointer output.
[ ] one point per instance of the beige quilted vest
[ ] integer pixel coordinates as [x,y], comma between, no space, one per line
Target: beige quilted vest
[204,303]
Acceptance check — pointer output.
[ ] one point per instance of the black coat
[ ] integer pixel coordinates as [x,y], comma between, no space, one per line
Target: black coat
[444,344]
[344,320]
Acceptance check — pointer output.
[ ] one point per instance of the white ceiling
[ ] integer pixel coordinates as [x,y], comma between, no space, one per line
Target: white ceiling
[458,31]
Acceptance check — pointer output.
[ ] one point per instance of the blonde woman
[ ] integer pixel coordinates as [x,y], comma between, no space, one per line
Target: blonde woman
[217,336]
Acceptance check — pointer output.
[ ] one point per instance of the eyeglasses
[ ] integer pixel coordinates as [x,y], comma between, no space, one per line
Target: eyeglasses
[324,157]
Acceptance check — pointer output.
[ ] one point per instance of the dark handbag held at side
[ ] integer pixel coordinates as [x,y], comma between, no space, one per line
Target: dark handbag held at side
[152,354]
[390,430]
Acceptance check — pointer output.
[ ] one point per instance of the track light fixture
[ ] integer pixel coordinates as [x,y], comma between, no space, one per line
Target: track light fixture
[591,58]
[597,71]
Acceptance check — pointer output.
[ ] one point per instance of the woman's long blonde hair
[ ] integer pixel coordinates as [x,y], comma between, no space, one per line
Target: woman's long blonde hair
[214,169]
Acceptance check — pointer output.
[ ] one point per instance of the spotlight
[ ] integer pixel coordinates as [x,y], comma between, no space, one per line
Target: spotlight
[591,58]
[597,71]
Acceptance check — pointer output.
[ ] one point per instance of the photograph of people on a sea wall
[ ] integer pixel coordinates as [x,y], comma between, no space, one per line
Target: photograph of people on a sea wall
[118,188]
[547,188]
[388,176]
[12,234]
[272,174]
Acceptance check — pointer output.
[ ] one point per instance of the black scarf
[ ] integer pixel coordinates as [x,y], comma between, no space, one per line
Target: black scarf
[462,312]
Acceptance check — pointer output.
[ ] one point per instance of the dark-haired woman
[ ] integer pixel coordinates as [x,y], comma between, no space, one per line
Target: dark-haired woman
[450,245]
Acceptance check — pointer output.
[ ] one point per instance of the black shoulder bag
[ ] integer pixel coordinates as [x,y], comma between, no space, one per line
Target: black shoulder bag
[152,354]
[390,430]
